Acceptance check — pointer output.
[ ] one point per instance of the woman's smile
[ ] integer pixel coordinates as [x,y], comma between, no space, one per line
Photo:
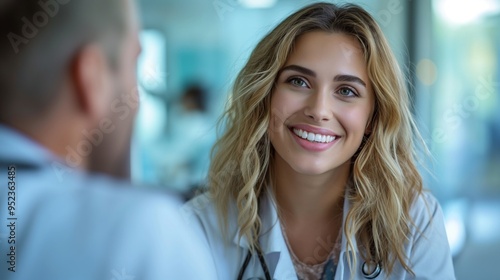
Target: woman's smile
[313,139]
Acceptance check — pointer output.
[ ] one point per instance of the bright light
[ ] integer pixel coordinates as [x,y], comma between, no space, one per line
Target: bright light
[459,12]
[152,72]
[257,4]
[152,78]
[455,230]
[454,212]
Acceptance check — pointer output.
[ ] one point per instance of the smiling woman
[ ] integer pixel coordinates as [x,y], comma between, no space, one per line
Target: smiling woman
[315,176]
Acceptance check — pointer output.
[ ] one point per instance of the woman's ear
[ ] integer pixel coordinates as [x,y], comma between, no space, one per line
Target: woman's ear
[91,81]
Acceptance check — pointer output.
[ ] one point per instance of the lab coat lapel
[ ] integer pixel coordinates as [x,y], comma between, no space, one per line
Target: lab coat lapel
[343,267]
[343,272]
[274,248]
[272,240]
[276,252]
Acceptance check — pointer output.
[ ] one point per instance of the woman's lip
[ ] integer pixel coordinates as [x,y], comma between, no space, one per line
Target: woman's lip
[313,129]
[312,146]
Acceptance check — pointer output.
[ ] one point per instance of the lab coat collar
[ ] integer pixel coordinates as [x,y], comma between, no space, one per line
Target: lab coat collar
[273,243]
[345,253]
[270,226]
[347,206]
[18,149]
[271,229]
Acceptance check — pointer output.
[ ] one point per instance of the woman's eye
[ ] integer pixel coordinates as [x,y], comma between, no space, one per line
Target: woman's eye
[297,82]
[347,92]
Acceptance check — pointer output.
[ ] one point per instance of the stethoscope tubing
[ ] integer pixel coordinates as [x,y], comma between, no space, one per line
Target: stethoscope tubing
[262,261]
[372,275]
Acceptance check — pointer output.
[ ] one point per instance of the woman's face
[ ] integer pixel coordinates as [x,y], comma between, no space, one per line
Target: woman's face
[321,104]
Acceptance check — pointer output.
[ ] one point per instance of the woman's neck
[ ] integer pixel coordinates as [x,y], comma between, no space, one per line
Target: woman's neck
[313,198]
[310,209]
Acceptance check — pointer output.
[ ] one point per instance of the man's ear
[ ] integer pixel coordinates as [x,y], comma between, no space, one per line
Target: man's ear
[90,77]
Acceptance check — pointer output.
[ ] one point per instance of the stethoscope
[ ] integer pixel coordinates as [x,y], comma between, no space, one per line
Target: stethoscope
[366,269]
[262,261]
[370,272]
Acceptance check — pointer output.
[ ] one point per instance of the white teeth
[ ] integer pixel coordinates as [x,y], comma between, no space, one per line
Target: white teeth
[313,137]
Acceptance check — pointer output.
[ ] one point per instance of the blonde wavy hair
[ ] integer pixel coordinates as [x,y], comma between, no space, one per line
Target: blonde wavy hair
[384,177]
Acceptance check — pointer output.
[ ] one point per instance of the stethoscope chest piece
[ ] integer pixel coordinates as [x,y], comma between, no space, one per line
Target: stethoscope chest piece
[371,270]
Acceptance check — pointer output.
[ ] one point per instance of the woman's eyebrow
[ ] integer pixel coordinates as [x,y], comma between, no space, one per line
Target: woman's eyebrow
[349,78]
[309,72]
[300,69]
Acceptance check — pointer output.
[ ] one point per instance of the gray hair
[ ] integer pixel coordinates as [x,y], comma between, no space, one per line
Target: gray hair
[38,41]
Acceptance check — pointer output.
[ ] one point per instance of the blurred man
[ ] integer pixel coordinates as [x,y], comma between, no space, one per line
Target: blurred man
[68,98]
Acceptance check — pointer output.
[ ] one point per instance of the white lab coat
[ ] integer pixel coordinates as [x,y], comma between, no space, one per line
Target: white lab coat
[428,250]
[78,226]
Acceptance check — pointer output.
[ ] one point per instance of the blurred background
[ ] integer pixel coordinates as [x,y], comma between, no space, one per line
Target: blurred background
[449,49]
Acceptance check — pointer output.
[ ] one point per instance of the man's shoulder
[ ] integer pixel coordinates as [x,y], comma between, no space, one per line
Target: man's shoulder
[129,203]
[110,223]
[93,200]
[101,186]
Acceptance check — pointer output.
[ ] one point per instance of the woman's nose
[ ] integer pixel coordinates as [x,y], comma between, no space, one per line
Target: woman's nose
[319,108]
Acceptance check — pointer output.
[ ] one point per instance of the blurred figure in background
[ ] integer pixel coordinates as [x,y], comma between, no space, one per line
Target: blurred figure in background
[68,98]
[191,136]
[193,99]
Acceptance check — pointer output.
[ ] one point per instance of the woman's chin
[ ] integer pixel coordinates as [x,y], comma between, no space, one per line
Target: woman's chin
[311,169]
